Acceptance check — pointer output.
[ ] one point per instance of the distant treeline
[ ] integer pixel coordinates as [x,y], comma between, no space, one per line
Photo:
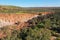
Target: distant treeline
[15,9]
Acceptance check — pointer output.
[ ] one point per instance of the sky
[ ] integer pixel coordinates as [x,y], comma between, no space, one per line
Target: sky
[31,3]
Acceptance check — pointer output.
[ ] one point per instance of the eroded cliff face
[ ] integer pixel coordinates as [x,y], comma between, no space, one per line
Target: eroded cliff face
[11,19]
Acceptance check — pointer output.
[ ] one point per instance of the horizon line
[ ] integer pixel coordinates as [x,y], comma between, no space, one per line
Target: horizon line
[28,6]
